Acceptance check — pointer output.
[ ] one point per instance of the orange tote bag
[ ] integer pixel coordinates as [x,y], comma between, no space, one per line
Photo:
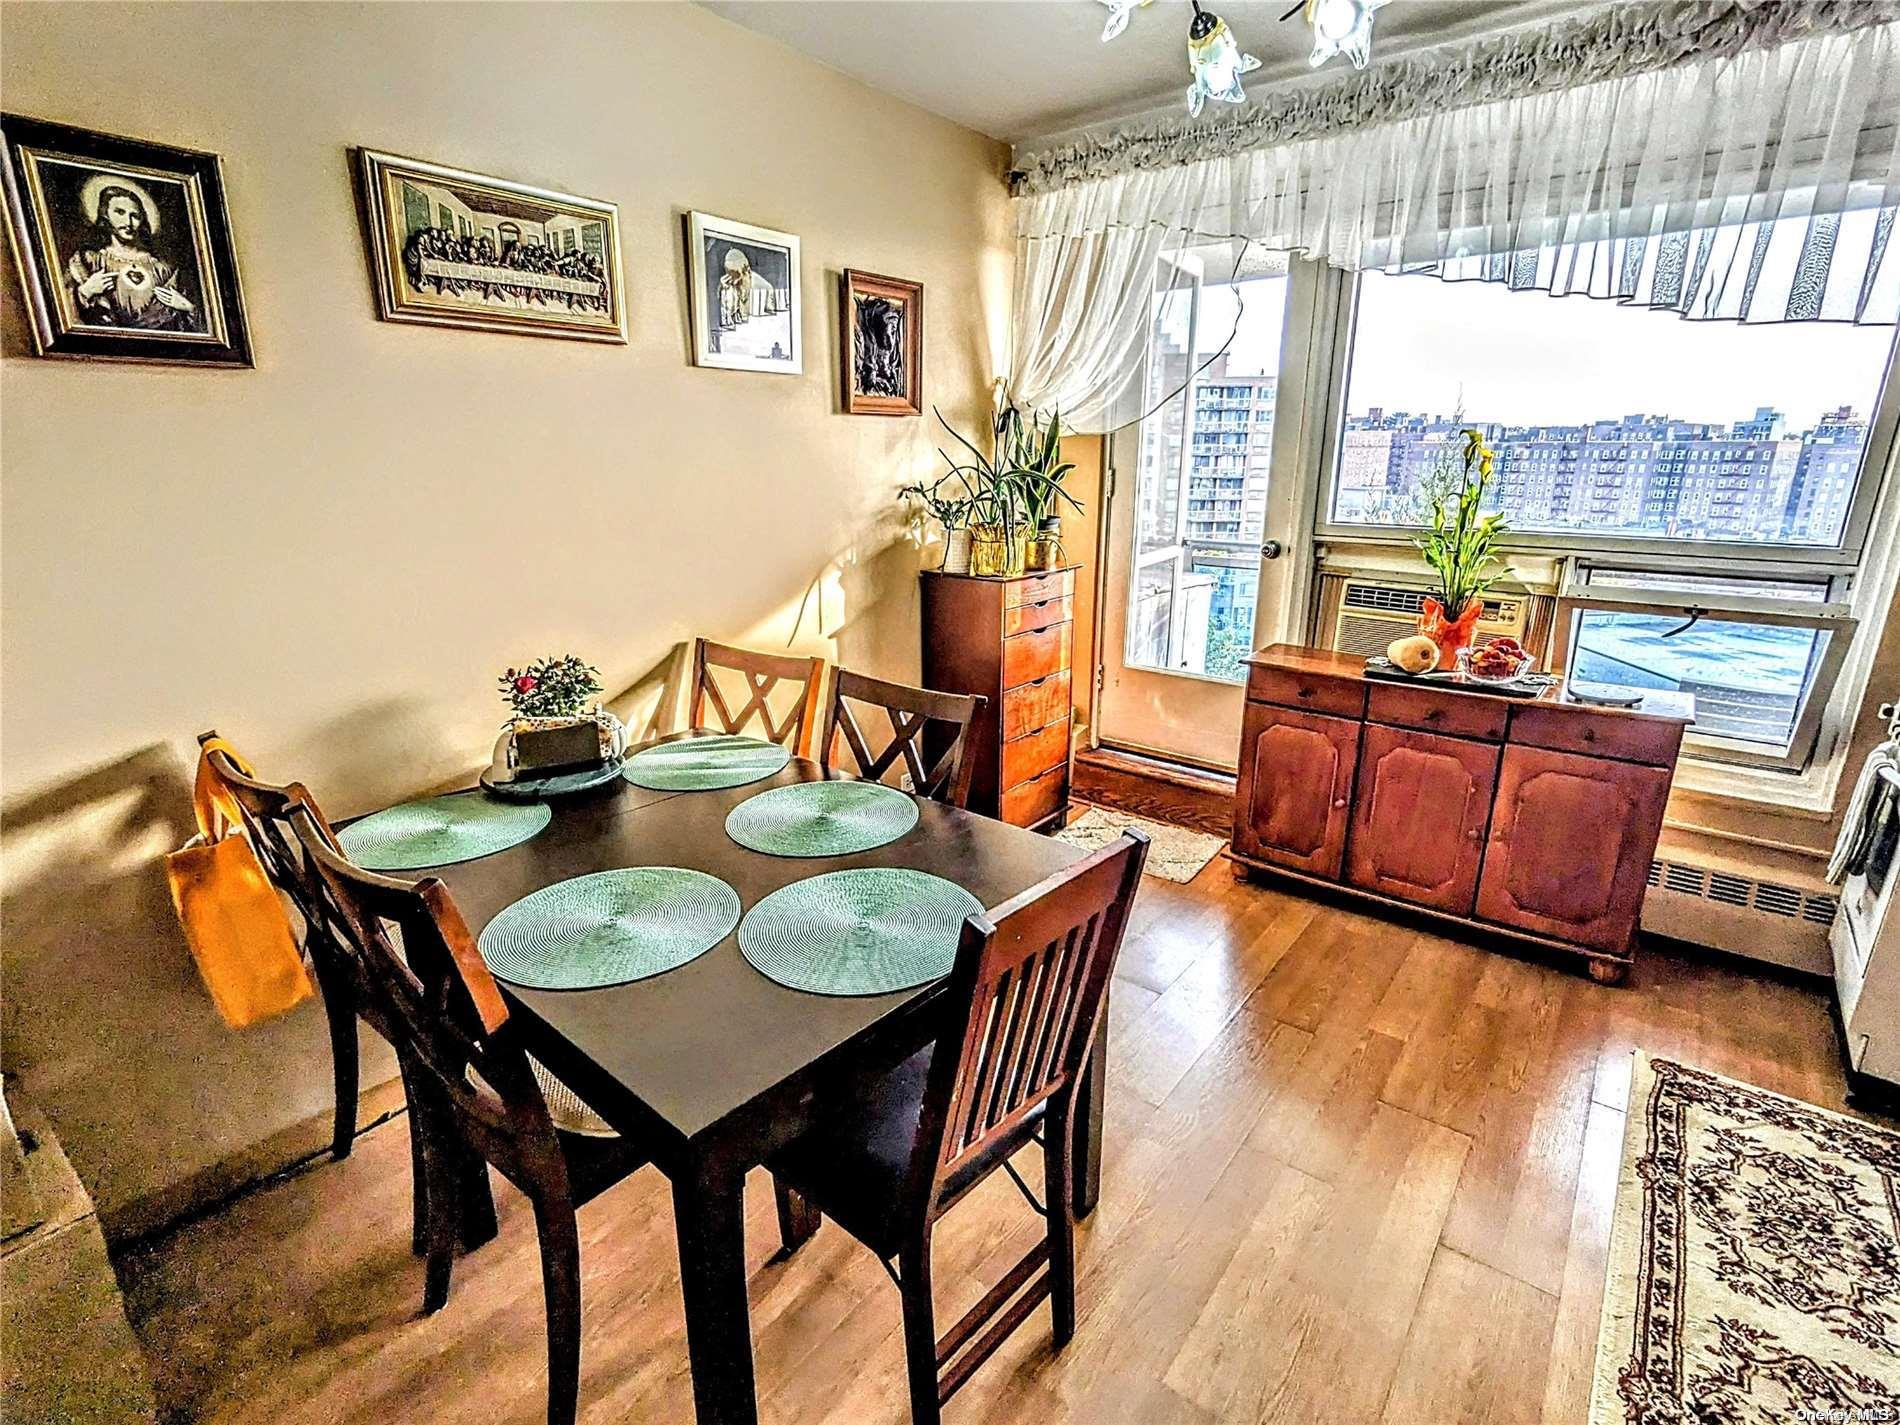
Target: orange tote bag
[233,918]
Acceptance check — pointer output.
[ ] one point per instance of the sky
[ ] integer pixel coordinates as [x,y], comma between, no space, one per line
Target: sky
[1529,358]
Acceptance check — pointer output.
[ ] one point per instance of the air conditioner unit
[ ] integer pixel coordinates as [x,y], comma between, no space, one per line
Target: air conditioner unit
[1373,612]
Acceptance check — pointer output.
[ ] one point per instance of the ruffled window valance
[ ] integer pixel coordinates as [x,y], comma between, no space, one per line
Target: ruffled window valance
[1756,181]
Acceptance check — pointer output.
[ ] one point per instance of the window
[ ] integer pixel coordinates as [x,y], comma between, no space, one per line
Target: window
[1710,484]
[1612,424]
[1213,374]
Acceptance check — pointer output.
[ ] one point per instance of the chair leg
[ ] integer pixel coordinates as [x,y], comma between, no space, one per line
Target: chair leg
[920,1330]
[345,1066]
[418,1174]
[1058,1185]
[561,1280]
[438,1203]
[798,1220]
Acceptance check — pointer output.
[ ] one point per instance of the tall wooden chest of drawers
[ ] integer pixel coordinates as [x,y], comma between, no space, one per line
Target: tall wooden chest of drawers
[1011,640]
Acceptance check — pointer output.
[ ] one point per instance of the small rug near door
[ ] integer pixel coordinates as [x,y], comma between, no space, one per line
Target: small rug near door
[1174,852]
[1754,1268]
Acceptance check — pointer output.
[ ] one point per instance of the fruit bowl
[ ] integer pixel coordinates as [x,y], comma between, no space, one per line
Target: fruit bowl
[1499,661]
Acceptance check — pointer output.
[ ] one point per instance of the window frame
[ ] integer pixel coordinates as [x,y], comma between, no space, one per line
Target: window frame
[1842,557]
[1833,615]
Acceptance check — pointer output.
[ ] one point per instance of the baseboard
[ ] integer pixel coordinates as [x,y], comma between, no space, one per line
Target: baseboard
[1148,786]
[208,1189]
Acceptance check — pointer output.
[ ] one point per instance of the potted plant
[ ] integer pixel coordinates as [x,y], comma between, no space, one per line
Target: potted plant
[951,510]
[1007,491]
[1039,458]
[550,702]
[1460,547]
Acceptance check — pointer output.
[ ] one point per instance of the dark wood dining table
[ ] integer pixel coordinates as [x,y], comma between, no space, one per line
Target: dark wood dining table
[711,1067]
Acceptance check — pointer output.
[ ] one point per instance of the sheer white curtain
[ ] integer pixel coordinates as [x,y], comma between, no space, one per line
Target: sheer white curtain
[1759,186]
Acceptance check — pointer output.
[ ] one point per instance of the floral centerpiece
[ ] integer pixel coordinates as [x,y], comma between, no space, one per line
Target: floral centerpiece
[1460,547]
[554,694]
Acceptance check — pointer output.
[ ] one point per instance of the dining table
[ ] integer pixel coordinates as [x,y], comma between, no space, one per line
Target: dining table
[711,1067]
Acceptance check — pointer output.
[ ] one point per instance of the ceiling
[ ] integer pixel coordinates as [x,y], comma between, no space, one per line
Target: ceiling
[1020,69]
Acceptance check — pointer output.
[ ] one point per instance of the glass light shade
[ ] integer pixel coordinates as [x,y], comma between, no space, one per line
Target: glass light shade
[1216,62]
[1118,13]
[1341,27]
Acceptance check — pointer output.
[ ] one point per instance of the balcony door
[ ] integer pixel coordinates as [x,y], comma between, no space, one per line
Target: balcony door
[1203,546]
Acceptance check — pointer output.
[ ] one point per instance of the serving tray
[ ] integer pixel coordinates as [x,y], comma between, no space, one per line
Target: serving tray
[1527,685]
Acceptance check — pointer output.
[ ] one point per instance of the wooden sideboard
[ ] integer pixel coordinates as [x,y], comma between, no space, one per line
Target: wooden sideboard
[1011,640]
[1533,820]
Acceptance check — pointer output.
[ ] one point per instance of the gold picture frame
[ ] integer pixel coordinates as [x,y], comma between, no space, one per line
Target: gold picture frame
[453,248]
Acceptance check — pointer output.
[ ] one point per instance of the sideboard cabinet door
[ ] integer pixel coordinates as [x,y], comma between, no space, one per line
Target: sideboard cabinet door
[1571,840]
[1295,787]
[1418,817]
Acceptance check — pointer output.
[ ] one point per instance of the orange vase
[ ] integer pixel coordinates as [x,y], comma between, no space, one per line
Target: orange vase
[1450,634]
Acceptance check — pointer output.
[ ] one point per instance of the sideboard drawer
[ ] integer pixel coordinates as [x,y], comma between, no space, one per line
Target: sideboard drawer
[1339,697]
[1034,706]
[1596,734]
[1035,754]
[1461,714]
[1043,586]
[1029,656]
[1033,800]
[1027,618]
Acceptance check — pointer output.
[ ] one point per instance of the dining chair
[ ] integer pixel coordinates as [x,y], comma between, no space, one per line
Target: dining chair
[1023,1006]
[476,1096]
[924,725]
[761,672]
[266,811]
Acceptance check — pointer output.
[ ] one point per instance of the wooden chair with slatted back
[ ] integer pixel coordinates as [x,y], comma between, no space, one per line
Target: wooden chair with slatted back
[265,809]
[476,1099]
[925,725]
[762,672]
[1024,1003]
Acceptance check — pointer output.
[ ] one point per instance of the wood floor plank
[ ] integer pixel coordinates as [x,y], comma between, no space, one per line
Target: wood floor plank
[1474,1349]
[1580,1295]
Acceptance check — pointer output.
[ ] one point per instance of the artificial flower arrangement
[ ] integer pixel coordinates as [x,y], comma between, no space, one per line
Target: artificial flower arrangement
[1460,547]
[548,699]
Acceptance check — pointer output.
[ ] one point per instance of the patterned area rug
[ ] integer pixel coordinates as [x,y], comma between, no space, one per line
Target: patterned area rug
[1175,853]
[1754,1261]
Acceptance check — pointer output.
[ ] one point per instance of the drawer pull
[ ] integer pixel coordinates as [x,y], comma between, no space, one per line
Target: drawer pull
[1433,714]
[1306,692]
[1589,734]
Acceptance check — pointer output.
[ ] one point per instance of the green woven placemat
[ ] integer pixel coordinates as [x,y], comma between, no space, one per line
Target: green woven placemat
[864,932]
[609,927]
[821,819]
[703,764]
[439,831]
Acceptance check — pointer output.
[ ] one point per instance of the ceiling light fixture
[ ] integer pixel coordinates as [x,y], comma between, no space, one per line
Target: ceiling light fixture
[1118,13]
[1339,27]
[1215,60]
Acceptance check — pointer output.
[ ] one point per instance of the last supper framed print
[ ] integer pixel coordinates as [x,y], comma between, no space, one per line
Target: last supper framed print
[458,249]
[123,247]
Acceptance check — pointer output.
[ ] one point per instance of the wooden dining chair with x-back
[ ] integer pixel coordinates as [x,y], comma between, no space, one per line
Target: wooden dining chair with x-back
[760,673]
[265,809]
[928,732]
[1022,1006]
[476,1097]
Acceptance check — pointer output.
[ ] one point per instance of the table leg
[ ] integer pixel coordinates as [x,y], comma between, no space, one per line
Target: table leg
[1086,1124]
[709,1216]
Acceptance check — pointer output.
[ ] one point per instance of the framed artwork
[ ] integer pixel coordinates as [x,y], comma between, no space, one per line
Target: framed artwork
[456,249]
[123,247]
[742,284]
[881,339]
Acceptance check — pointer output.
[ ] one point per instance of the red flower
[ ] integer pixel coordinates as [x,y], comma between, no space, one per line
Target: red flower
[526,683]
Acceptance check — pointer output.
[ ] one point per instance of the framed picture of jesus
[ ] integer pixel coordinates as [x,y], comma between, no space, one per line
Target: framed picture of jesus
[123,247]
[881,342]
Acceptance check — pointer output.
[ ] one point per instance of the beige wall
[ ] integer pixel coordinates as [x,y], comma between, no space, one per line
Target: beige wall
[331,557]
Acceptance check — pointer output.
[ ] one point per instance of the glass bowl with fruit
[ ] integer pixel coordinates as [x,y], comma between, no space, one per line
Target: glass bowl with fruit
[1502,660]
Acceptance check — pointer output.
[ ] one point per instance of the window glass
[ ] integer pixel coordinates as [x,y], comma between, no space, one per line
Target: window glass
[1608,421]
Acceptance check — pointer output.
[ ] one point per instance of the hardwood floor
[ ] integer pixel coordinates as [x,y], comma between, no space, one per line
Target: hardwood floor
[1355,1173]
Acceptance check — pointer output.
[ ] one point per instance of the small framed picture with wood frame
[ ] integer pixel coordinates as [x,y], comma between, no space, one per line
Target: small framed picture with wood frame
[881,341]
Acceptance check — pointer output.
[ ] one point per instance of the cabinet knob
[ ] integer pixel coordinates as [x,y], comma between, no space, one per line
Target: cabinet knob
[1473,833]
[1589,734]
[1306,692]
[1340,805]
[1434,714]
